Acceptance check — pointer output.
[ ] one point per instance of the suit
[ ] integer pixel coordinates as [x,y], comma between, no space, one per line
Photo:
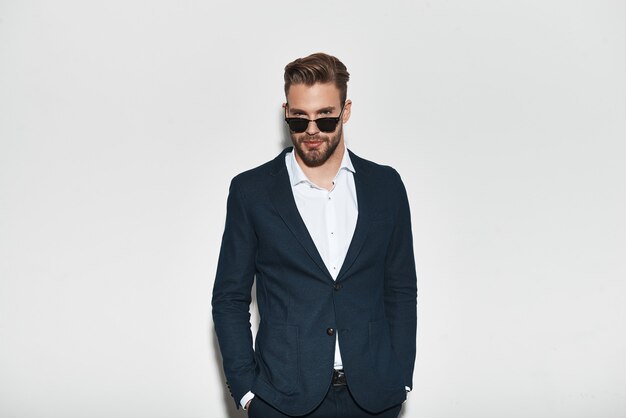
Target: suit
[371,304]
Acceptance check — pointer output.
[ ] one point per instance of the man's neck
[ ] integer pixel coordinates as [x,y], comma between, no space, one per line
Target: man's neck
[324,174]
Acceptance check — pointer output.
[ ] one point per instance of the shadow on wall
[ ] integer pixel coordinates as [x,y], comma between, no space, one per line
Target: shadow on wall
[286,140]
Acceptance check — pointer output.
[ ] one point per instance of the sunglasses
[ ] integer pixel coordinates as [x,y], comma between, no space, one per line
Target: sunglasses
[299,125]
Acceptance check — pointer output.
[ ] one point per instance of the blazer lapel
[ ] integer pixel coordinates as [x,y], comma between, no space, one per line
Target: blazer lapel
[282,198]
[365,201]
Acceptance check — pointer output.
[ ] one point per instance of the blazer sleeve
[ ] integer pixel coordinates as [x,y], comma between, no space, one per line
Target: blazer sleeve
[401,285]
[232,295]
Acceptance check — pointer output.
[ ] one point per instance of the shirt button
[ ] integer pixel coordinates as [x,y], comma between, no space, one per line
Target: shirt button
[330,331]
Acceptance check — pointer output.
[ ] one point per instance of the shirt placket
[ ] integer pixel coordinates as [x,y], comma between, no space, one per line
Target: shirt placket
[331,232]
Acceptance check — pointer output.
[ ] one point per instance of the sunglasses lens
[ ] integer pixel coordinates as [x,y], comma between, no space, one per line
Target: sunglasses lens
[298,125]
[327,124]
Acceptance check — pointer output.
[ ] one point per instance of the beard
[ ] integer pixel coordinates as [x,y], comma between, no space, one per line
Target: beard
[318,156]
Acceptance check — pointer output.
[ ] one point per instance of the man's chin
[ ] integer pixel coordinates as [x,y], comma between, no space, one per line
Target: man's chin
[313,158]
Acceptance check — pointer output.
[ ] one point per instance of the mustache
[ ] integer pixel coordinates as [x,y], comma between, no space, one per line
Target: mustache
[313,138]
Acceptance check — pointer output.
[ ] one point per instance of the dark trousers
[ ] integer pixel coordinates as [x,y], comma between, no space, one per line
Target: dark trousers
[338,403]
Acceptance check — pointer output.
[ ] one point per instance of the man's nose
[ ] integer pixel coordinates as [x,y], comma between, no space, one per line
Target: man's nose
[312,128]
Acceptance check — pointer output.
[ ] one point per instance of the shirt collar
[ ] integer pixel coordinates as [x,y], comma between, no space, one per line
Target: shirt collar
[298,176]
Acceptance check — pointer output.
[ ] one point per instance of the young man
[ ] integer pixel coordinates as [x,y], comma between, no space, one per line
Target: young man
[327,235]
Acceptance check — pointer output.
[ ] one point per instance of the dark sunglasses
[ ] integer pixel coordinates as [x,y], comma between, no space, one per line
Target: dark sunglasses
[299,125]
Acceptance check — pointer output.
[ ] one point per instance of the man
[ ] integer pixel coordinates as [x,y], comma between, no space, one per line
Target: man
[327,235]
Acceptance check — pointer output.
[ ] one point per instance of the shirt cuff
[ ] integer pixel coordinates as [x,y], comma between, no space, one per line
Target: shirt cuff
[245,399]
[408,389]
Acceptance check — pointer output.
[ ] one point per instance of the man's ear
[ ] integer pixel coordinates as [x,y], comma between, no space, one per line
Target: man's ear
[347,110]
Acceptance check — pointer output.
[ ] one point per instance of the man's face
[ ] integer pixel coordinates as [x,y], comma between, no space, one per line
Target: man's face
[313,146]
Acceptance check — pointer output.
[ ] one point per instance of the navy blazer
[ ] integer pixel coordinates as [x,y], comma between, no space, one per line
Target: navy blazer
[372,304]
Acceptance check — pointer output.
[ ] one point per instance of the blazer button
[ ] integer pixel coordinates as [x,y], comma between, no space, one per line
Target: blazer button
[330,331]
[337,286]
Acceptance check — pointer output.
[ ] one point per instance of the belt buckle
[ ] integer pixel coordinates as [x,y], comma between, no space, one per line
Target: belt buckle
[339,378]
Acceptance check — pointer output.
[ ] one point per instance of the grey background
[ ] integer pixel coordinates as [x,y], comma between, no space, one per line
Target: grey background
[122,123]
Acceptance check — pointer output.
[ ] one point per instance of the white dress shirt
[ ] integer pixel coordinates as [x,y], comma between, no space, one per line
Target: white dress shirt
[329,215]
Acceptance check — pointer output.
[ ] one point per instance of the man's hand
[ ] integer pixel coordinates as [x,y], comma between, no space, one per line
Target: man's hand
[248,404]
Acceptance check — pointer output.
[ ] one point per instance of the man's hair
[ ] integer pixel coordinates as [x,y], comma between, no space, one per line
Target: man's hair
[318,68]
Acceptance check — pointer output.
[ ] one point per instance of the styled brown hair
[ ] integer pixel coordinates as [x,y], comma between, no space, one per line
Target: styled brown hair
[318,68]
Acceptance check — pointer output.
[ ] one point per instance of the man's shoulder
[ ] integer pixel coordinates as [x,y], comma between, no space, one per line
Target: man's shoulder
[371,168]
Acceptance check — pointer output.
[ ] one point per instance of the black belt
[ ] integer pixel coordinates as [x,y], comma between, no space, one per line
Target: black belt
[339,378]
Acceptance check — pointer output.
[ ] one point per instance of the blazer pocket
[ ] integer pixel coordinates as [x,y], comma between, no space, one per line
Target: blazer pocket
[385,364]
[278,355]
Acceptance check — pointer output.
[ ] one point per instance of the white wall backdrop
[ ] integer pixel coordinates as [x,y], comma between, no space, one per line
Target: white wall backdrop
[122,123]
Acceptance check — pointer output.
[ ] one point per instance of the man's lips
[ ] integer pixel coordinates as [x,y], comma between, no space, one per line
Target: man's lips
[313,144]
